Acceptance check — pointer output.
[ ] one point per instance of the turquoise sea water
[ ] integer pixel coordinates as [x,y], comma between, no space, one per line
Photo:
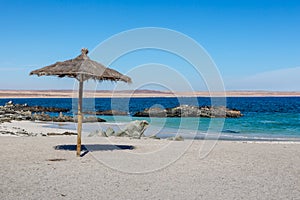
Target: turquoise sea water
[265,118]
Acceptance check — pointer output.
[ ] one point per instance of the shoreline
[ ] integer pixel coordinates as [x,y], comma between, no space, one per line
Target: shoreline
[5,94]
[40,128]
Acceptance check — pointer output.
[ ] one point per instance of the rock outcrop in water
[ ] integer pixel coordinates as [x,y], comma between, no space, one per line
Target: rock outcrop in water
[190,111]
[24,107]
[19,112]
[112,112]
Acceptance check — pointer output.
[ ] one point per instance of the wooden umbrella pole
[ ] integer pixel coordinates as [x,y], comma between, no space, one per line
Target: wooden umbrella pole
[79,117]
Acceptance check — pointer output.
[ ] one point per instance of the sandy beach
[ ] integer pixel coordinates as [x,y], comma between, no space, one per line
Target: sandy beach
[150,100]
[122,168]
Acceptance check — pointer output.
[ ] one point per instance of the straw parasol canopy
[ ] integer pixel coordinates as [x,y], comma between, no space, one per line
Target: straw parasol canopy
[82,68]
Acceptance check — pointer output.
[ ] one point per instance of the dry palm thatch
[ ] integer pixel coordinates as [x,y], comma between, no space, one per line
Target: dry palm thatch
[82,68]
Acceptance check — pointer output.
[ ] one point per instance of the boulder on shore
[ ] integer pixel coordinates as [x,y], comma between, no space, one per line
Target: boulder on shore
[134,129]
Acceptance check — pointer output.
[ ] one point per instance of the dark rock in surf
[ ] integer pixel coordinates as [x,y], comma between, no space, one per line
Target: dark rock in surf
[191,111]
[152,112]
[112,112]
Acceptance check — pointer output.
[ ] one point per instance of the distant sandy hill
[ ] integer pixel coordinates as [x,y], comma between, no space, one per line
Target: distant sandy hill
[136,93]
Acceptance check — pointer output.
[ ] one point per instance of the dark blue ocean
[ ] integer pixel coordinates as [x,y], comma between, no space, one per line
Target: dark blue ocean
[265,118]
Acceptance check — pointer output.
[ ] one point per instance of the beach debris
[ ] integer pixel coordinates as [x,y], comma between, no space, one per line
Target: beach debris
[134,129]
[190,111]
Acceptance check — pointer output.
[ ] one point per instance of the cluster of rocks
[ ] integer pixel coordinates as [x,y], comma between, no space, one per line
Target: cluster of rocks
[190,111]
[179,111]
[25,107]
[11,111]
[134,129]
[64,118]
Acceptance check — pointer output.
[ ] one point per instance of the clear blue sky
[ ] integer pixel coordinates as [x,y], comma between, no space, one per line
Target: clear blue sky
[251,41]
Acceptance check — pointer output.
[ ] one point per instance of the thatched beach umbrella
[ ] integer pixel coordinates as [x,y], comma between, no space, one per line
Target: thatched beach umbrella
[82,68]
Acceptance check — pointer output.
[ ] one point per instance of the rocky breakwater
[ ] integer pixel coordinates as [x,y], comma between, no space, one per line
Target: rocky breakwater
[191,111]
[11,111]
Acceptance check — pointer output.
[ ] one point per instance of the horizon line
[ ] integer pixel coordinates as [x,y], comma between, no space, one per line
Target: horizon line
[4,94]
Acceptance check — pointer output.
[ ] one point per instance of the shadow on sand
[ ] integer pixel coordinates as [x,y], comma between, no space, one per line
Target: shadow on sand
[93,147]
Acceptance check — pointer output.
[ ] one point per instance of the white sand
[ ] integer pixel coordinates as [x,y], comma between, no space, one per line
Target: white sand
[34,127]
[232,170]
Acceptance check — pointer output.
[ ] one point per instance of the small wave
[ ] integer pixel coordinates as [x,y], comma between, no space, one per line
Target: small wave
[270,122]
[229,131]
[262,137]
[115,123]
